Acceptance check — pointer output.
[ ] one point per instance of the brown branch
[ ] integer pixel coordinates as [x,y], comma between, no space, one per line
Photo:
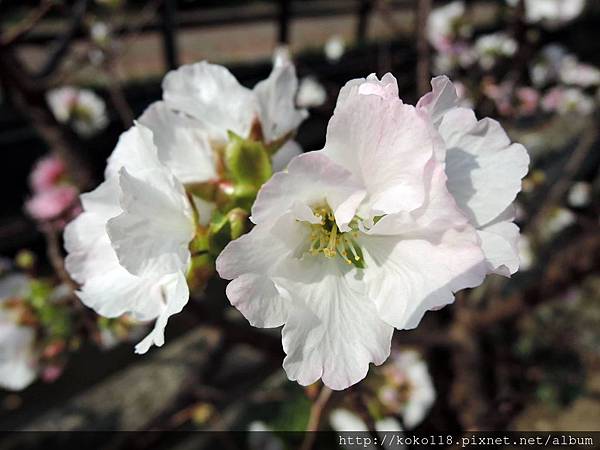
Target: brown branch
[423,52]
[315,418]
[55,256]
[586,143]
[27,24]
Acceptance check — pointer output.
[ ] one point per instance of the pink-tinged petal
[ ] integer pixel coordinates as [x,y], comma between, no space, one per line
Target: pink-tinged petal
[51,203]
[46,173]
[213,96]
[386,145]
[442,98]
[333,330]
[311,179]
[182,145]
[276,97]
[387,88]
[255,261]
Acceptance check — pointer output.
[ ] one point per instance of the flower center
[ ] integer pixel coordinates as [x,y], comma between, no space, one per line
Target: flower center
[326,238]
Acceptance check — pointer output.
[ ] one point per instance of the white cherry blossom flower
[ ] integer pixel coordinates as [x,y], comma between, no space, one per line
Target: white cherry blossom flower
[484,172]
[18,361]
[575,73]
[218,104]
[129,248]
[446,24]
[311,93]
[358,238]
[551,13]
[83,109]
[334,48]
[345,421]
[491,47]
[580,194]
[409,390]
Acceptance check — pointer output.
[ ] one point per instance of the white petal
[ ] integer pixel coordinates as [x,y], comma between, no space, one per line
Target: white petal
[175,294]
[213,96]
[276,102]
[407,277]
[259,300]
[135,151]
[416,262]
[332,330]
[442,98]
[386,144]
[484,169]
[311,179]
[500,244]
[285,154]
[156,226]
[182,146]
[17,361]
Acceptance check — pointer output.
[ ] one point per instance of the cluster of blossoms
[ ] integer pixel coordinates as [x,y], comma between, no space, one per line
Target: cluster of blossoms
[558,82]
[404,206]
[81,109]
[54,198]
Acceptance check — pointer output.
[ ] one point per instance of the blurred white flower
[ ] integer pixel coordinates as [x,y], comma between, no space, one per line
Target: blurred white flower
[447,23]
[558,220]
[575,73]
[100,33]
[81,108]
[334,48]
[311,93]
[491,47]
[365,235]
[551,13]
[547,66]
[261,437]
[568,100]
[213,103]
[580,194]
[343,420]
[408,389]
[18,360]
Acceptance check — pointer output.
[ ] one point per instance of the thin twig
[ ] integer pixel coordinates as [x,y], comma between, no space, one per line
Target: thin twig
[561,186]
[315,418]
[27,24]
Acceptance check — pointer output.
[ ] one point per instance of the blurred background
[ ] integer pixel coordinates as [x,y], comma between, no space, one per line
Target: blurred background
[514,354]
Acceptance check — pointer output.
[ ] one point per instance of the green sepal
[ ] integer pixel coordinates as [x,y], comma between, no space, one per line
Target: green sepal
[219,233]
[247,161]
